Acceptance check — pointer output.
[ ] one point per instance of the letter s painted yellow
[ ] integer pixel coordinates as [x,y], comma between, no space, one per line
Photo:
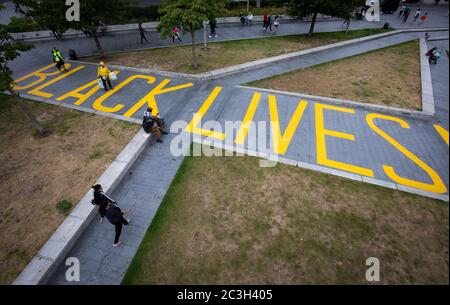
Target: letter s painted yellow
[436,187]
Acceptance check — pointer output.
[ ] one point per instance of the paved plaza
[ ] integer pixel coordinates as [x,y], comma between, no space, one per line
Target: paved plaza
[390,149]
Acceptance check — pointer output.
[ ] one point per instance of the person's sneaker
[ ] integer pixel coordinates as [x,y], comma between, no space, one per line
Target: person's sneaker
[210,36]
[117,245]
[159,141]
[216,36]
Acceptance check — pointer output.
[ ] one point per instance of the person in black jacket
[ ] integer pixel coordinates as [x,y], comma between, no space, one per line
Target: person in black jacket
[102,200]
[116,217]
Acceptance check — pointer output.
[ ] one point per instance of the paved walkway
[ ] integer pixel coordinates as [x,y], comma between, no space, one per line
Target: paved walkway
[316,58]
[143,190]
[393,149]
[439,74]
[121,41]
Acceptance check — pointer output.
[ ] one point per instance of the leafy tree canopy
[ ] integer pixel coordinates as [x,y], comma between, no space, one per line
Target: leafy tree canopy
[336,8]
[9,50]
[188,14]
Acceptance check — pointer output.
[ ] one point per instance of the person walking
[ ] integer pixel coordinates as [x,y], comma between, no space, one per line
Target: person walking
[406,14]
[423,18]
[242,19]
[402,10]
[276,24]
[175,34]
[58,59]
[346,23]
[250,18]
[116,217]
[103,73]
[265,22]
[213,27]
[101,200]
[270,22]
[142,32]
[417,15]
[102,27]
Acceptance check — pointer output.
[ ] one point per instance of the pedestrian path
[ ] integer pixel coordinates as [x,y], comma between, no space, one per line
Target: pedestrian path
[312,59]
[142,190]
[127,40]
[422,167]
[439,75]
[391,150]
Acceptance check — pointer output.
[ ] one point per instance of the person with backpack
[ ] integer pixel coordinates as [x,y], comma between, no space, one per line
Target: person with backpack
[116,217]
[153,124]
[103,73]
[58,59]
[101,200]
[433,55]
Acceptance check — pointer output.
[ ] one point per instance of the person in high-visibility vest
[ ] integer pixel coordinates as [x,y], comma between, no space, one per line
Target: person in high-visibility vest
[58,59]
[103,73]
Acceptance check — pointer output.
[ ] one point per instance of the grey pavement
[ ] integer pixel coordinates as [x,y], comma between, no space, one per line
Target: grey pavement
[439,75]
[129,40]
[316,58]
[142,190]
[149,179]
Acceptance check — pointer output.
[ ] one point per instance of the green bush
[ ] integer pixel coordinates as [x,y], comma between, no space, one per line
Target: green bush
[64,206]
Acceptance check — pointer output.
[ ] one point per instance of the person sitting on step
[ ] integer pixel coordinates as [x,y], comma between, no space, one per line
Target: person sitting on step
[153,124]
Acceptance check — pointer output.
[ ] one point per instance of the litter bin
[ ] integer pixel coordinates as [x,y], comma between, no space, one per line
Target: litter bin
[73,55]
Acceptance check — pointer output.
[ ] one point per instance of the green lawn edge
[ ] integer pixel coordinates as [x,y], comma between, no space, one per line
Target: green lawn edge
[157,221]
[255,83]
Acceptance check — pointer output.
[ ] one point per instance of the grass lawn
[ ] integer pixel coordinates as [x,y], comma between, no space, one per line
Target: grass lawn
[43,178]
[225,54]
[390,76]
[228,221]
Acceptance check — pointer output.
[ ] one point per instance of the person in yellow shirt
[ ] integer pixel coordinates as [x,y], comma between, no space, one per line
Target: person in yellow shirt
[103,73]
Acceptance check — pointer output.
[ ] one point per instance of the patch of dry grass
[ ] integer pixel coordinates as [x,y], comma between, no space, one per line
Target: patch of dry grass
[229,221]
[37,173]
[228,53]
[389,76]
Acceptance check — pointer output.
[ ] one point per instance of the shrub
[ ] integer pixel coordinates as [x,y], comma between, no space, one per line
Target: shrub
[64,206]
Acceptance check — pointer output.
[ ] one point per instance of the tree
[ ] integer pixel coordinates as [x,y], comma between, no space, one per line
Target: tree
[51,14]
[10,50]
[305,8]
[189,16]
[94,13]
